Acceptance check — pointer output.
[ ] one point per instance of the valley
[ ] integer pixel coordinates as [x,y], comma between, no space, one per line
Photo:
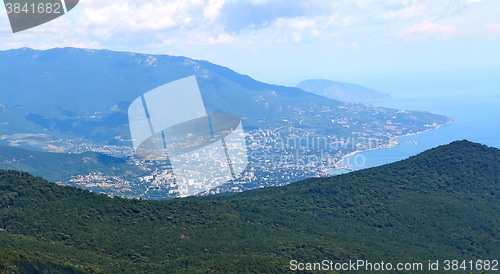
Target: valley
[290,134]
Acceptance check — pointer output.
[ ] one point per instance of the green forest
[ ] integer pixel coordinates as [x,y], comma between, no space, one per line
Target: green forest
[440,204]
[62,166]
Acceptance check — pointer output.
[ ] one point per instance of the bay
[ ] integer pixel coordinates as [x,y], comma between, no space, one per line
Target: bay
[338,171]
[476,118]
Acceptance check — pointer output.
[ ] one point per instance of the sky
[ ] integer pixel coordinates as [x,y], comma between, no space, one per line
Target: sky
[287,41]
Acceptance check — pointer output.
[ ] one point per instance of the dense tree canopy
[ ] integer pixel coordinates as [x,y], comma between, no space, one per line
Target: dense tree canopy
[440,204]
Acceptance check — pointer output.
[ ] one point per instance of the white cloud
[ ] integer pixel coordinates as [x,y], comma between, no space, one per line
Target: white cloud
[408,12]
[175,23]
[213,9]
[354,45]
[298,30]
[146,16]
[295,23]
[426,29]
[493,30]
[222,38]
[263,2]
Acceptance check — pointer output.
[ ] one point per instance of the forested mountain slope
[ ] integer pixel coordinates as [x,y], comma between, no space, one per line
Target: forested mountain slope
[440,204]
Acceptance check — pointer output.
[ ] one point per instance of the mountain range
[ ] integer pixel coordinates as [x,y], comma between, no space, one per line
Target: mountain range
[346,92]
[78,93]
[69,100]
[441,204]
[85,170]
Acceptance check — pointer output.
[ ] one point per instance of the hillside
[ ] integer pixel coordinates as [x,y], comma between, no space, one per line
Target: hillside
[440,204]
[70,169]
[74,100]
[345,92]
[69,94]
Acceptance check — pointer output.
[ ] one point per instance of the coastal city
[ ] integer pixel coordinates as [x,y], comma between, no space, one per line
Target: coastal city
[275,157]
[280,151]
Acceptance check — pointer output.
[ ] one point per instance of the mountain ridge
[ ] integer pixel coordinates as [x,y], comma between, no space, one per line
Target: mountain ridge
[86,170]
[346,92]
[101,80]
[75,100]
[440,204]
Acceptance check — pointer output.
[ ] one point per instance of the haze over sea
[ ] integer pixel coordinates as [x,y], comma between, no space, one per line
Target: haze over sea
[472,101]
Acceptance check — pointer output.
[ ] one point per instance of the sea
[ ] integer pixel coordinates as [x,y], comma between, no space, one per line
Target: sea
[475,109]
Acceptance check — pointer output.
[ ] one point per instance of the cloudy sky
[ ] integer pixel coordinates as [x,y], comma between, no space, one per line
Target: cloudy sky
[287,41]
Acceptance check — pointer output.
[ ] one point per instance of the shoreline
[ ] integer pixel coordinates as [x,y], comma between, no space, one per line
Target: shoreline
[393,141]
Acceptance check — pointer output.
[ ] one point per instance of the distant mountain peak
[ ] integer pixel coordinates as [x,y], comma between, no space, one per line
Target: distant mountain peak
[340,91]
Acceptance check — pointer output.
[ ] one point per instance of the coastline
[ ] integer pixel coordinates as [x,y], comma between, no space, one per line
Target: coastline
[393,141]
